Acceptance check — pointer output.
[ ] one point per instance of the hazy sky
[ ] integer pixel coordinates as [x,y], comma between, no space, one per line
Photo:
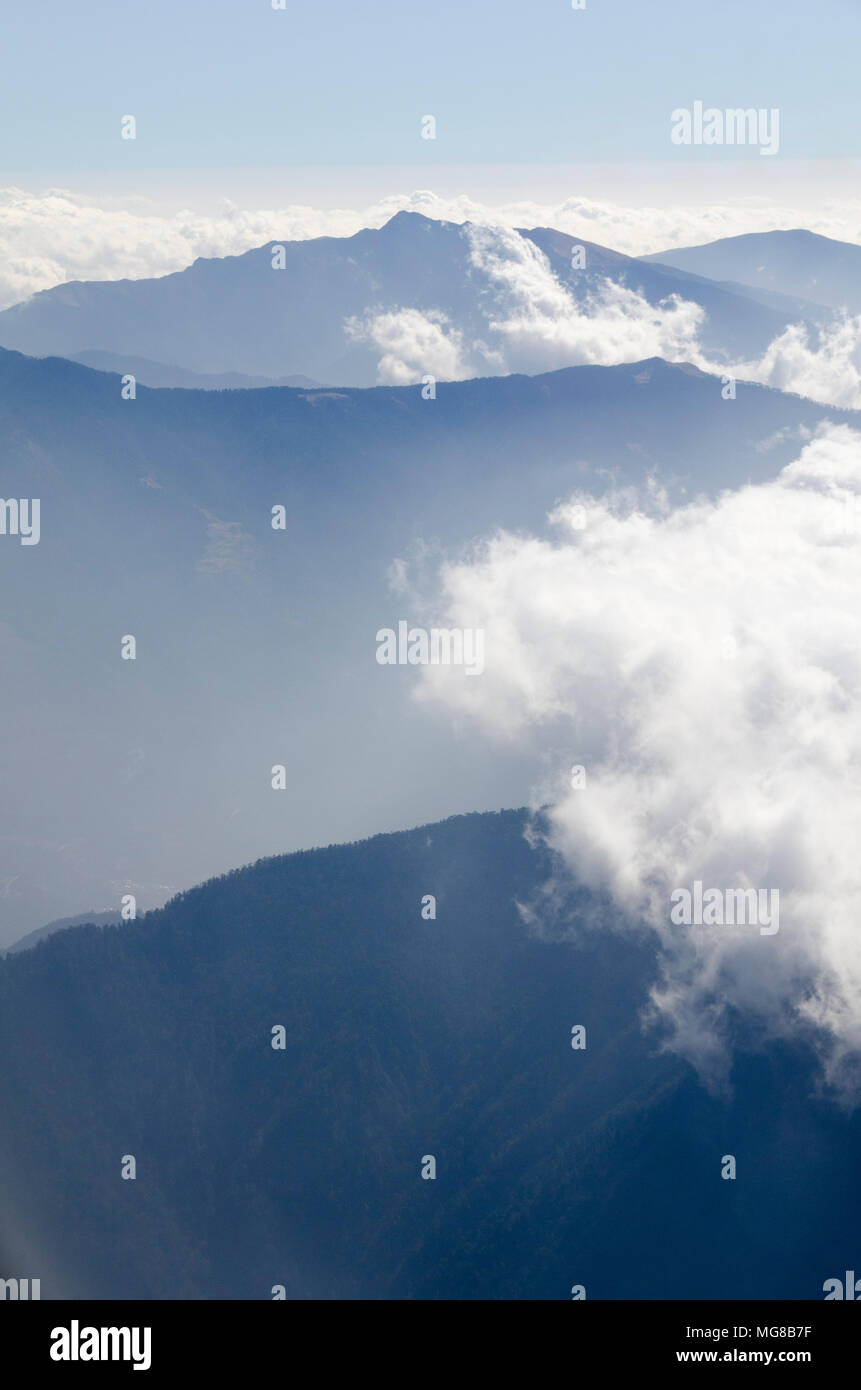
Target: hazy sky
[234,83]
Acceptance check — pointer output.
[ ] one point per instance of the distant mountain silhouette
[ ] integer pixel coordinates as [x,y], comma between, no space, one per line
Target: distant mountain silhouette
[160,374]
[239,315]
[405,1038]
[257,647]
[797,263]
[32,938]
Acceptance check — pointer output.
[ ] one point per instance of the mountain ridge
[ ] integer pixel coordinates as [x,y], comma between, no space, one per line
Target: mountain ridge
[180,551]
[797,262]
[404,1037]
[275,323]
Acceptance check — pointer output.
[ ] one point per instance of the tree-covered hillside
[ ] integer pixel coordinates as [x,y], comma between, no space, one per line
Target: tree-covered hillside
[405,1037]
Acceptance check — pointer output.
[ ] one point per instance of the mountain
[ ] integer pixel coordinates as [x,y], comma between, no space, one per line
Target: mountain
[160,374]
[239,315]
[256,647]
[801,263]
[405,1037]
[32,938]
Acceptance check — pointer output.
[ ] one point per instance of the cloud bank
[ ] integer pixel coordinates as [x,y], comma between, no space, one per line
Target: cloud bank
[704,666]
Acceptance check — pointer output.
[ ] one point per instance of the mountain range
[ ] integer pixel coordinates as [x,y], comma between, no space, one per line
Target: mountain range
[164,374]
[773,264]
[237,314]
[257,647]
[409,1035]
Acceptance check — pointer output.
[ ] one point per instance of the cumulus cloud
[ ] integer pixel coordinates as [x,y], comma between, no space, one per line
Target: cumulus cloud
[52,236]
[704,665]
[414,344]
[542,325]
[823,364]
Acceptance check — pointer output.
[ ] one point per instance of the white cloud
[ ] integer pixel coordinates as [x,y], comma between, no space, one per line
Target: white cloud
[47,239]
[413,344]
[827,369]
[542,326]
[704,665]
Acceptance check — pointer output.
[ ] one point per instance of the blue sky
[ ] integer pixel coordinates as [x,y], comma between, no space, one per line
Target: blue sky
[232,83]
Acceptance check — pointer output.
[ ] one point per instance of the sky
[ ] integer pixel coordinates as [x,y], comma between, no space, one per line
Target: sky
[236,84]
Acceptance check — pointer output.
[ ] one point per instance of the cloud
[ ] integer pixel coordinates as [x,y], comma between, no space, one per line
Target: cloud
[50,237]
[704,665]
[542,325]
[413,344]
[828,369]
[53,237]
